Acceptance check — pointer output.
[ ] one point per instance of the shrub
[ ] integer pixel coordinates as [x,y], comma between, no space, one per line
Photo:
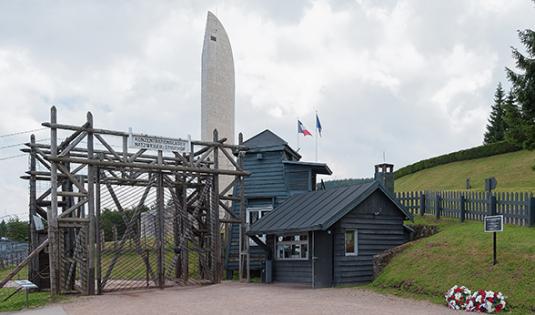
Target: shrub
[463,155]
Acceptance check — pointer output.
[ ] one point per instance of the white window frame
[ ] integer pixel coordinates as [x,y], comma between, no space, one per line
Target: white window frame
[260,210]
[290,243]
[356,245]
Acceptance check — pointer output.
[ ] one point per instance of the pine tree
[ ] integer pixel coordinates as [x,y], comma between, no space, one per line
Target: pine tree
[524,88]
[496,127]
[514,126]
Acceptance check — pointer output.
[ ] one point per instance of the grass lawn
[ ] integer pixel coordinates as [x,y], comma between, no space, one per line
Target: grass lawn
[18,301]
[513,172]
[462,254]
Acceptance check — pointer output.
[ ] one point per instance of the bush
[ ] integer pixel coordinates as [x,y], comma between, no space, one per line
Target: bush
[463,155]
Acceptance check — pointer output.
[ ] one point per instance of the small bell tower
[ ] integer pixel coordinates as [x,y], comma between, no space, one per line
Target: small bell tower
[384,174]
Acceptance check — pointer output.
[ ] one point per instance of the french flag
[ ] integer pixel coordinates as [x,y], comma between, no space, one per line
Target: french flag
[301,129]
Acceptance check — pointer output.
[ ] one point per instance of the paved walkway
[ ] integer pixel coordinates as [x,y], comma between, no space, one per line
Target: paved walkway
[240,298]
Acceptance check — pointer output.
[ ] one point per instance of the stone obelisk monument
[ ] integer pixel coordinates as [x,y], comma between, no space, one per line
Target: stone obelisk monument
[217,88]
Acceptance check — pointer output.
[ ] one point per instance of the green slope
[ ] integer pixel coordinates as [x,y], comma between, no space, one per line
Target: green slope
[462,254]
[513,172]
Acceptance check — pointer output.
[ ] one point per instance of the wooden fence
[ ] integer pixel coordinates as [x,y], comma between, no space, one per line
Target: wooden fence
[12,258]
[516,207]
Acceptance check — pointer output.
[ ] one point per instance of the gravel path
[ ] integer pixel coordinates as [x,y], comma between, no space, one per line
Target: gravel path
[240,298]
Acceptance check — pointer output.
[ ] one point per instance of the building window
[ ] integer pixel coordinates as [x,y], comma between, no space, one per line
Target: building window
[292,247]
[213,38]
[351,243]
[254,214]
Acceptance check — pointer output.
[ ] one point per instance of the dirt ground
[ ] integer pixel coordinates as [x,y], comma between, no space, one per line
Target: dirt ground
[240,298]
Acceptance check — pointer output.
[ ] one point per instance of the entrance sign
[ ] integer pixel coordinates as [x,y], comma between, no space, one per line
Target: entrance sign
[494,223]
[140,141]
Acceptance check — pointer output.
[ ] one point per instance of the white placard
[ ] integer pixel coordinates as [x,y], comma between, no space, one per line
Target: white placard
[140,141]
[26,284]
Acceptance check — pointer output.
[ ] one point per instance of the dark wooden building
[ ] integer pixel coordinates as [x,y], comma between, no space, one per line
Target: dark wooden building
[276,174]
[329,237]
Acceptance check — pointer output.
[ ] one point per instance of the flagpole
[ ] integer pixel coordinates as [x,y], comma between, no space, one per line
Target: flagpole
[317,134]
[298,135]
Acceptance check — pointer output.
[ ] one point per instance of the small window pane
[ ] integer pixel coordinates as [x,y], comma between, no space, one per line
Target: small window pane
[350,242]
[253,216]
[304,251]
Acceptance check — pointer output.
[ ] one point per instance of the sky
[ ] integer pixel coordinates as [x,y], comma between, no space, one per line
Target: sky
[407,79]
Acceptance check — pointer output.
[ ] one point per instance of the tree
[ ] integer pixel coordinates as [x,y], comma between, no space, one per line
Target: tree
[17,230]
[523,85]
[514,125]
[496,127]
[3,229]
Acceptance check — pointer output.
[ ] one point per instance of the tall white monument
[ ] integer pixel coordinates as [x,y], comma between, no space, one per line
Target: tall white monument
[217,83]
[217,87]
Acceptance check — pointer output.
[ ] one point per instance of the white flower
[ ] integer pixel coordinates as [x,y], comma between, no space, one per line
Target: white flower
[489,293]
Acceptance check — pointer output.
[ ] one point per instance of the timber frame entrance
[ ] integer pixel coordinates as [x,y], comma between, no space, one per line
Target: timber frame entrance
[170,205]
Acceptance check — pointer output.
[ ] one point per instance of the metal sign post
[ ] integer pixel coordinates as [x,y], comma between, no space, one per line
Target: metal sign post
[26,285]
[493,223]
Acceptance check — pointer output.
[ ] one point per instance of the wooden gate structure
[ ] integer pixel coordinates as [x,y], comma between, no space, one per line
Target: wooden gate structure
[170,205]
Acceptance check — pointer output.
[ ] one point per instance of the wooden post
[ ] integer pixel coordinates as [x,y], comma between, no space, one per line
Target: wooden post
[91,210]
[33,270]
[492,204]
[462,205]
[531,211]
[215,234]
[99,235]
[422,204]
[438,205]
[160,224]
[53,236]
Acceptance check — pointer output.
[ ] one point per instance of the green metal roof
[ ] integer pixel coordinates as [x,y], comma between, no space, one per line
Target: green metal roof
[318,210]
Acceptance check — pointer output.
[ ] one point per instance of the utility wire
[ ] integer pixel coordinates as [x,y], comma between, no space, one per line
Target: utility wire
[21,132]
[19,144]
[12,157]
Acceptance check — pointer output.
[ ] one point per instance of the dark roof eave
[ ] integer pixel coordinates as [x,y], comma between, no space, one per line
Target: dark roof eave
[319,168]
[285,231]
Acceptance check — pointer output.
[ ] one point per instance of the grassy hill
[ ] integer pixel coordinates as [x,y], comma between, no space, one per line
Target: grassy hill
[462,254]
[513,172]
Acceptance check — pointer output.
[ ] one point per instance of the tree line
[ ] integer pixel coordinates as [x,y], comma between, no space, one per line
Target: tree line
[14,229]
[512,117]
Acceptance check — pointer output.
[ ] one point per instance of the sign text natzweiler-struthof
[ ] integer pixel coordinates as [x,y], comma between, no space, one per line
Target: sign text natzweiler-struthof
[159,143]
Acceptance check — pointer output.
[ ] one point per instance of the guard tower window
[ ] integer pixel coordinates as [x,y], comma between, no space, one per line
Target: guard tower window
[212,37]
[254,214]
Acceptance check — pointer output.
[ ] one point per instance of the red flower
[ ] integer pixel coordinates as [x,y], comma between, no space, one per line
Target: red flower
[499,307]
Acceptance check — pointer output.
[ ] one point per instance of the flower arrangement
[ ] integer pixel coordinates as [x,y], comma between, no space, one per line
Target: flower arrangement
[486,302]
[457,297]
[461,298]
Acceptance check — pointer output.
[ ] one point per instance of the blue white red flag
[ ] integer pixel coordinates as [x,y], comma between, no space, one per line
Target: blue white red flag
[318,124]
[301,129]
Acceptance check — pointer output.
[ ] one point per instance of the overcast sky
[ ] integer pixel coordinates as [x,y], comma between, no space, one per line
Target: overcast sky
[413,79]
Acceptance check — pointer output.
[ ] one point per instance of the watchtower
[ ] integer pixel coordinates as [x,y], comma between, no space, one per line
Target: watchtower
[384,174]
